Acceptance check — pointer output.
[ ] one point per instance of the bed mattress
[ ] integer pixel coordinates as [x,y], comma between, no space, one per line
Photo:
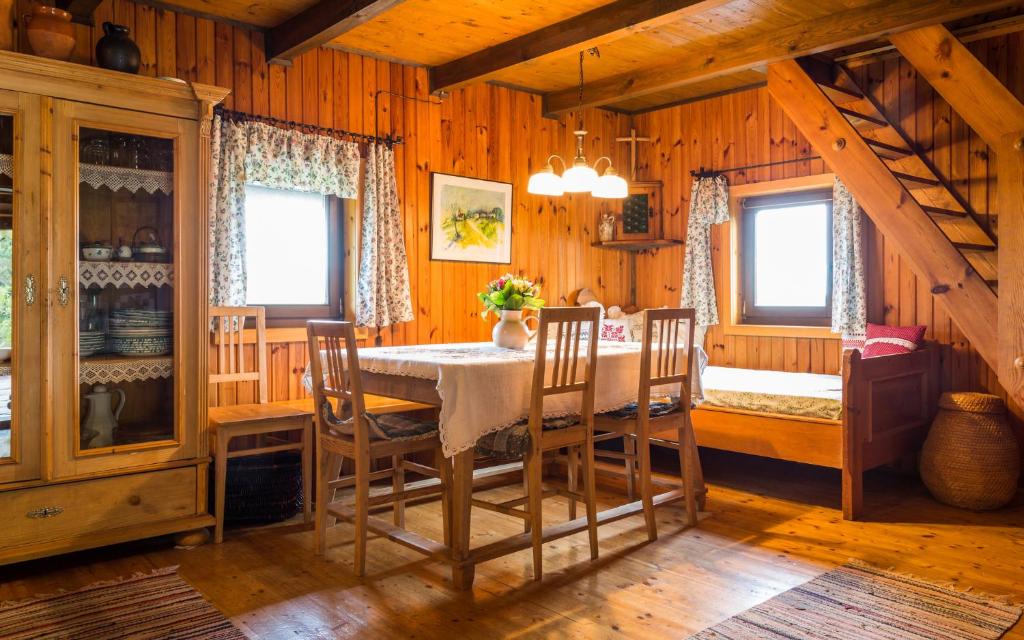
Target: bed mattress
[797,394]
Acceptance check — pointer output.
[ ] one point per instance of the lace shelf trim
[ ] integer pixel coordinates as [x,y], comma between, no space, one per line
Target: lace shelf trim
[125,274]
[7,165]
[114,178]
[125,370]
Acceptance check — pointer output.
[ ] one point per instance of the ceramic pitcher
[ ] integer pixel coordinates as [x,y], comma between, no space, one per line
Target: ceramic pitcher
[101,417]
[511,331]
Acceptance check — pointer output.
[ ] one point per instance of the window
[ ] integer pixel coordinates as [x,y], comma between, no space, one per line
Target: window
[293,253]
[786,259]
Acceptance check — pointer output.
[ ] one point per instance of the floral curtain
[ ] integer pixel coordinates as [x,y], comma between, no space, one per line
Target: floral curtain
[709,204]
[227,213]
[849,301]
[258,153]
[383,297]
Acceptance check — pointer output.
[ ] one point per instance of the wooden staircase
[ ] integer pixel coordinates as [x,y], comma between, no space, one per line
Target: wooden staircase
[899,187]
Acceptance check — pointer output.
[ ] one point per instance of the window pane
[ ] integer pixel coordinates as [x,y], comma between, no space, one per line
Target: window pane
[286,247]
[791,256]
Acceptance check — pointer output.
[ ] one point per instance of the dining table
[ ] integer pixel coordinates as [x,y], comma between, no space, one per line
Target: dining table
[480,388]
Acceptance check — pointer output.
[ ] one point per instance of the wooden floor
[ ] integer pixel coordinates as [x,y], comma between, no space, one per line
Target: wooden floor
[772,527]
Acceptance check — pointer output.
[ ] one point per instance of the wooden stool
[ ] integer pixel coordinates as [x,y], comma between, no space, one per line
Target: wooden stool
[262,420]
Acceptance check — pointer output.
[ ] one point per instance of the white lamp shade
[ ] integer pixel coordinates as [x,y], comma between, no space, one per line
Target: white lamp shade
[579,178]
[546,183]
[611,186]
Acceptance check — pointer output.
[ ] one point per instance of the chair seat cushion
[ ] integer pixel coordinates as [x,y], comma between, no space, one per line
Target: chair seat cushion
[658,408]
[513,442]
[383,426]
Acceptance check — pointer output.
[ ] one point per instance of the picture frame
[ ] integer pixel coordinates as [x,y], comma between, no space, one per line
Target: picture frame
[470,219]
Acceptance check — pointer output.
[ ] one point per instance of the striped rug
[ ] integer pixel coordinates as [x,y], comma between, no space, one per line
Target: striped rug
[856,602]
[155,605]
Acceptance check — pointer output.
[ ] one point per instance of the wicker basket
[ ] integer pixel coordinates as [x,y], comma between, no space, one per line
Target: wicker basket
[971,458]
[262,489]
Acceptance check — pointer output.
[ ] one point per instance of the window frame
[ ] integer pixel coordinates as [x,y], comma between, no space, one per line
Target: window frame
[293,315]
[749,312]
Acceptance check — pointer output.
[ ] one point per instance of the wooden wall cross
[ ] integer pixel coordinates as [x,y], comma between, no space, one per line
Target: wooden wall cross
[633,140]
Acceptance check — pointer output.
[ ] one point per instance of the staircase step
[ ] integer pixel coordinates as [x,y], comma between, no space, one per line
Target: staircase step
[862,121]
[838,94]
[972,246]
[915,182]
[939,211]
[888,151]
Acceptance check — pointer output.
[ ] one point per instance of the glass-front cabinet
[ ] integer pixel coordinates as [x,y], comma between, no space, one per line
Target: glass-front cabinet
[119,294]
[20,290]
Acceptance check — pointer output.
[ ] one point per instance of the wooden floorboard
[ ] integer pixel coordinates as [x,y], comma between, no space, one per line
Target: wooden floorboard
[772,526]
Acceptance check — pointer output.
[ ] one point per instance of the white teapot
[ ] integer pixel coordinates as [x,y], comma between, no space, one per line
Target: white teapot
[101,418]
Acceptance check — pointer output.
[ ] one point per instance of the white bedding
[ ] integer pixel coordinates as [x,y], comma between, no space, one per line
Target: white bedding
[799,394]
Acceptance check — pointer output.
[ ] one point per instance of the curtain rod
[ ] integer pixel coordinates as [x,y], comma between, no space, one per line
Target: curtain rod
[708,173]
[307,128]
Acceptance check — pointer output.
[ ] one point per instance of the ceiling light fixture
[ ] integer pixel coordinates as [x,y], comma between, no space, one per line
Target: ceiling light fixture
[580,177]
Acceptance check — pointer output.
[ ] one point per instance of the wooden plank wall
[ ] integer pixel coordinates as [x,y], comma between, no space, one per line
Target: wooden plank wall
[748,128]
[484,131]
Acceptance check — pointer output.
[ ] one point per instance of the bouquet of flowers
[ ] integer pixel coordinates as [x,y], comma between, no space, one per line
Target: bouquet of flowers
[509,293]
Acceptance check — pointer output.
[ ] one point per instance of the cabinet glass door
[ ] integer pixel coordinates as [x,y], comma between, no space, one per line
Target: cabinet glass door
[120,295]
[20,290]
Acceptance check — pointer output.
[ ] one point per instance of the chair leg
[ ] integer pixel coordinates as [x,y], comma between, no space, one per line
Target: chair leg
[398,484]
[643,446]
[333,473]
[689,460]
[573,481]
[362,510]
[629,448]
[220,474]
[323,466]
[444,467]
[535,495]
[307,470]
[526,492]
[590,493]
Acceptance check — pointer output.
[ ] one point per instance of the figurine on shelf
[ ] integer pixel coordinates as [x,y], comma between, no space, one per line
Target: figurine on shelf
[606,230]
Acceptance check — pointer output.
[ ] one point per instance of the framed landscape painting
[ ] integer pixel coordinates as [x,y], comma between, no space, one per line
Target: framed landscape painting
[470,219]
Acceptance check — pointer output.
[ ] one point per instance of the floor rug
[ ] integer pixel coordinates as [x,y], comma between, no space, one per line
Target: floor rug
[863,603]
[144,606]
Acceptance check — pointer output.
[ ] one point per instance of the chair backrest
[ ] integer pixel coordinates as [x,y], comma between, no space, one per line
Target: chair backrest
[666,358]
[334,368]
[228,325]
[564,328]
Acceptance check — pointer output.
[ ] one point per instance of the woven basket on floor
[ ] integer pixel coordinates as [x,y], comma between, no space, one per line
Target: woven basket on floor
[971,458]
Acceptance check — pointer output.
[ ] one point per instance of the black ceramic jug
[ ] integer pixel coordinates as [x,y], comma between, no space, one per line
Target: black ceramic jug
[116,50]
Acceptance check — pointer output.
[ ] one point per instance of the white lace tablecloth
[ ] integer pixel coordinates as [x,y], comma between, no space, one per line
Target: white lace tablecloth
[484,388]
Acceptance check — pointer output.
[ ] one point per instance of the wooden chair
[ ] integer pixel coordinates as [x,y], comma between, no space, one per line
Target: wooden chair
[534,437]
[346,430]
[669,363]
[261,420]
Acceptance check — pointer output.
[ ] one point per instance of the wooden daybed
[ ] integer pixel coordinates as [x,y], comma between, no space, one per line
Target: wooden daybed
[887,404]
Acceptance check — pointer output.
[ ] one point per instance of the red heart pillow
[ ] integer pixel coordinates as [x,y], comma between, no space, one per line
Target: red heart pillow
[883,340]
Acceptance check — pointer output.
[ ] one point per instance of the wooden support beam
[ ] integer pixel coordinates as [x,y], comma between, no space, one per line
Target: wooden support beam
[967,297]
[838,29]
[319,24]
[963,81]
[966,84]
[601,25]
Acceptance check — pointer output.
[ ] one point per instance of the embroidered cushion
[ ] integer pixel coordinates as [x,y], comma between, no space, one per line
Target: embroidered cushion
[513,442]
[658,408]
[883,340]
[383,426]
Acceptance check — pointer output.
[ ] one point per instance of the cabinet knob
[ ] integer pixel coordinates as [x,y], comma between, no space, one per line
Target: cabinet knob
[134,501]
[1018,362]
[45,512]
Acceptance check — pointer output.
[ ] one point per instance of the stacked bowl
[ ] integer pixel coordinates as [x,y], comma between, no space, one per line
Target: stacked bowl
[90,343]
[135,332]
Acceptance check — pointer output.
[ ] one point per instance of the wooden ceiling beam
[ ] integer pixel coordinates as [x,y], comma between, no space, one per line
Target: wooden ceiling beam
[604,24]
[319,24]
[841,28]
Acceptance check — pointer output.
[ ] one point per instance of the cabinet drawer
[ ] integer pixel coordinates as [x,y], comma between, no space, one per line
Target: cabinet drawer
[93,506]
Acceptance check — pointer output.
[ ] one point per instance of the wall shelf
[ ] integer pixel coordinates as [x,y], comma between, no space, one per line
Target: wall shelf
[134,180]
[125,274]
[636,245]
